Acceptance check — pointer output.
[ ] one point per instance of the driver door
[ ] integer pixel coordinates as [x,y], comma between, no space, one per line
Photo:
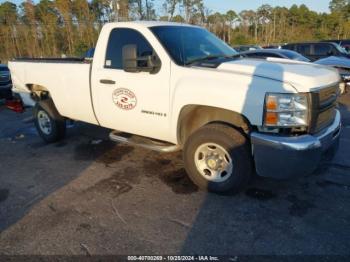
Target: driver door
[136,103]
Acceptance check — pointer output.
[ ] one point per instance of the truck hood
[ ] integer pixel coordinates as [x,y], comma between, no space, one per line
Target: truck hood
[304,77]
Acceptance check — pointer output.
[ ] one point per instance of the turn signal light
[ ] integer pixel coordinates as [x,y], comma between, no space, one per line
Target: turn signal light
[271,103]
[271,118]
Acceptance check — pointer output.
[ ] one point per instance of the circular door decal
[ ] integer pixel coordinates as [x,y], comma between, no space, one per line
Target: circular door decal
[124,99]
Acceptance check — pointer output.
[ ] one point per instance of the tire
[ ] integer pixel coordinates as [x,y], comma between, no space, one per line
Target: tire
[217,159]
[50,126]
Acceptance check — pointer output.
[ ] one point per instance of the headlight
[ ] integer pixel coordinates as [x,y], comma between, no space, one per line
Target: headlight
[286,110]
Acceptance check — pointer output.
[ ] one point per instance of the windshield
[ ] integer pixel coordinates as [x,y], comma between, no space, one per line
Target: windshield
[341,49]
[189,44]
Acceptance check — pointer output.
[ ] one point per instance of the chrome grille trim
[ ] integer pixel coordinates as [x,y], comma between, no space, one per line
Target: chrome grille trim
[323,107]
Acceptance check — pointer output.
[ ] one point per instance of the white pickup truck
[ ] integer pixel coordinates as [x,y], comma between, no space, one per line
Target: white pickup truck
[168,87]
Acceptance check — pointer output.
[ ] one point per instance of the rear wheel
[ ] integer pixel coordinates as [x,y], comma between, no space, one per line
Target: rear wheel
[217,158]
[50,127]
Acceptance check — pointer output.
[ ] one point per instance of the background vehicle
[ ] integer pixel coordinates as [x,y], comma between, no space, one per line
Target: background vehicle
[5,82]
[276,46]
[168,86]
[90,53]
[340,63]
[242,48]
[343,43]
[277,53]
[316,51]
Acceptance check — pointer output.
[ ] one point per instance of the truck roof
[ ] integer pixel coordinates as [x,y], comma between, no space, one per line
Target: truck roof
[148,24]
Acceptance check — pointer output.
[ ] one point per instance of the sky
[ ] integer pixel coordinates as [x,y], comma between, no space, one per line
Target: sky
[239,5]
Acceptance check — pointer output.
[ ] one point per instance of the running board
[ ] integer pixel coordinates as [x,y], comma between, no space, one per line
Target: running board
[144,142]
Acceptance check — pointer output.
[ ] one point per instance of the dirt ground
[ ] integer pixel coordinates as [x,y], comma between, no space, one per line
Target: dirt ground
[87,195]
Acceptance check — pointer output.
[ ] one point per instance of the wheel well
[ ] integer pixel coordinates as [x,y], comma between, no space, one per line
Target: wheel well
[38,92]
[192,117]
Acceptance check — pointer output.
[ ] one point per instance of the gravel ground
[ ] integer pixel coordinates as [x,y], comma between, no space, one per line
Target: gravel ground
[87,195]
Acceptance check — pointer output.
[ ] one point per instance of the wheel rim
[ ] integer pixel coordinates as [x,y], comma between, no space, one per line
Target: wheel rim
[213,162]
[44,122]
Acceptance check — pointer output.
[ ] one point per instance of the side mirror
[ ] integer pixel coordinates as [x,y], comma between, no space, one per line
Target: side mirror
[129,55]
[133,64]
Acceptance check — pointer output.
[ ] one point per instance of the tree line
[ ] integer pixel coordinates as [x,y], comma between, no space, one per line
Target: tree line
[51,28]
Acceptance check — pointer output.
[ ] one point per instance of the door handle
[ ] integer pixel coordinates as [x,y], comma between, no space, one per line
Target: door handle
[107,82]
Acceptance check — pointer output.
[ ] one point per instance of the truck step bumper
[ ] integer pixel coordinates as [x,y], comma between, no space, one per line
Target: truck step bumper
[284,157]
[144,142]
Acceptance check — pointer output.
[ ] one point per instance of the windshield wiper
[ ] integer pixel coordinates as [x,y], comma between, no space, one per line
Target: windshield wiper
[209,57]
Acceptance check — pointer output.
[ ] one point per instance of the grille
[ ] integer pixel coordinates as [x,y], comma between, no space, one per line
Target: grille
[323,106]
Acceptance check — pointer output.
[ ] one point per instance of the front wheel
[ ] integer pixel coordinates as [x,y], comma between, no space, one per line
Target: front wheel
[50,128]
[217,158]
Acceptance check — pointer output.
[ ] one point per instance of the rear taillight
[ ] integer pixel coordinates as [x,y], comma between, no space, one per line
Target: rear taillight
[15,105]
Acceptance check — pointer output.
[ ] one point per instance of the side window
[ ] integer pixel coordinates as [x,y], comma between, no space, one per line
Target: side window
[120,37]
[263,55]
[272,55]
[322,49]
[252,55]
[304,49]
[289,47]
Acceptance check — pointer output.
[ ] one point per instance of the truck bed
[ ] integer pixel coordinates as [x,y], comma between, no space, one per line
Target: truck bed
[66,79]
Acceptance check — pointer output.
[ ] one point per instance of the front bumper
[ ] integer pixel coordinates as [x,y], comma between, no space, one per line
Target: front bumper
[285,157]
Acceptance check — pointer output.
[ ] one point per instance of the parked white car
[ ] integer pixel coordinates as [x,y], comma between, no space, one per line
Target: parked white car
[175,86]
[343,66]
